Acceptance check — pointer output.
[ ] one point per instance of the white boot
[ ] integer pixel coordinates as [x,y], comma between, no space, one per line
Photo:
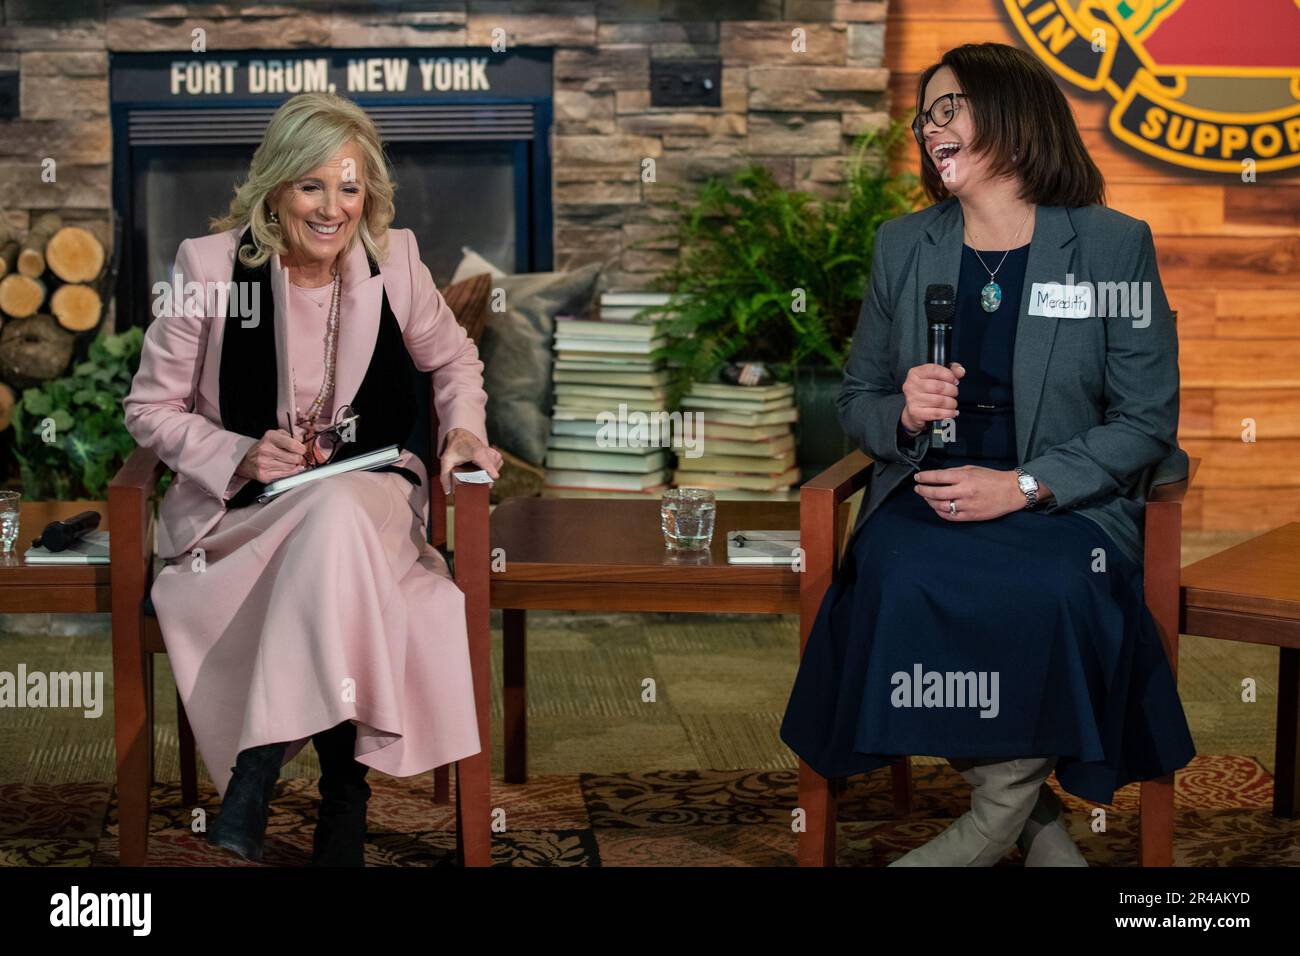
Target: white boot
[1046,840]
[1004,794]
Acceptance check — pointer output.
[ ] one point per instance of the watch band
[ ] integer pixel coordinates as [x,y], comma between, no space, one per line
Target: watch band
[1031,497]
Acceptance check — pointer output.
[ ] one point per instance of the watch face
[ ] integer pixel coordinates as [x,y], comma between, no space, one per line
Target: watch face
[1027,483]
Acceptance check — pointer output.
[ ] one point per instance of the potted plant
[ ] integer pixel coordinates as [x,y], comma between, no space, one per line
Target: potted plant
[69,435]
[777,276]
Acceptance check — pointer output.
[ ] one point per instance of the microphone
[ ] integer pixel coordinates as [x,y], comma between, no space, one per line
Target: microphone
[60,535]
[940,304]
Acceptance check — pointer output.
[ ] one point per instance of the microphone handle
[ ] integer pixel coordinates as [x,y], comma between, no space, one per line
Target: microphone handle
[939,337]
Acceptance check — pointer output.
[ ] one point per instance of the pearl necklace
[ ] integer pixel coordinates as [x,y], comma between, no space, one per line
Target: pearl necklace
[312,416]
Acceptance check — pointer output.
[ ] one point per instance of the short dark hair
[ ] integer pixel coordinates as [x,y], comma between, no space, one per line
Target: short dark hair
[1016,106]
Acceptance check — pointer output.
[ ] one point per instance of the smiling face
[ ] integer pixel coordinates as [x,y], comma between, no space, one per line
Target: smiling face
[949,146]
[320,210]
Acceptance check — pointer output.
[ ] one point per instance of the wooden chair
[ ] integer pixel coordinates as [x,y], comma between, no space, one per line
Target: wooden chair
[823,543]
[136,635]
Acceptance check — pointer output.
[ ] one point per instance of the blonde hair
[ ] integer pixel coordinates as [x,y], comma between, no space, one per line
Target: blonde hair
[304,133]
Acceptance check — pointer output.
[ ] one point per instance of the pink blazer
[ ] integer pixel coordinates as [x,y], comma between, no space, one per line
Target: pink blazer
[174,405]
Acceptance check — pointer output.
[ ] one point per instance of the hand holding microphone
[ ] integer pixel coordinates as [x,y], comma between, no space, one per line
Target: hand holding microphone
[931,389]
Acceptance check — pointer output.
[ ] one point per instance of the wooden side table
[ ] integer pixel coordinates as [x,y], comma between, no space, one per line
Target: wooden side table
[592,554]
[1251,592]
[43,588]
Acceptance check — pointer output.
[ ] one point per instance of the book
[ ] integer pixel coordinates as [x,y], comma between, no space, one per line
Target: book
[601,461]
[713,431]
[374,459]
[634,298]
[612,392]
[749,419]
[742,392]
[728,405]
[562,478]
[588,443]
[603,329]
[749,464]
[712,480]
[564,376]
[761,448]
[91,548]
[762,547]
[587,345]
[609,363]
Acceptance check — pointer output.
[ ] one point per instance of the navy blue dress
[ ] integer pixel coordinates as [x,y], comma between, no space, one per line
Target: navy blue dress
[991,639]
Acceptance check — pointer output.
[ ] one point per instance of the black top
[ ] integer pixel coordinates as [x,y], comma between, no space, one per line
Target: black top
[984,344]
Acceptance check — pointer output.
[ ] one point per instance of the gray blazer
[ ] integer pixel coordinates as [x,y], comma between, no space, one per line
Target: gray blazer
[1096,399]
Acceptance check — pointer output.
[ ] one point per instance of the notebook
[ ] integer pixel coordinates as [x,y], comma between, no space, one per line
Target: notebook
[762,547]
[367,462]
[92,548]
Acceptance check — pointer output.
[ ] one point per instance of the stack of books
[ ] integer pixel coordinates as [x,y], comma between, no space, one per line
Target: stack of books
[606,366]
[748,441]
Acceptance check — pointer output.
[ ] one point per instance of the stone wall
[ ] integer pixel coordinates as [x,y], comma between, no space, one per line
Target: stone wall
[794,110]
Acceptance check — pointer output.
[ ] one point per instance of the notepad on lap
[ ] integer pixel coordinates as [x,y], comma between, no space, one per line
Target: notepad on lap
[367,462]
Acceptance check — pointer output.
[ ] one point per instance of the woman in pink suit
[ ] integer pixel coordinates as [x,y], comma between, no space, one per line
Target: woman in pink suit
[322,613]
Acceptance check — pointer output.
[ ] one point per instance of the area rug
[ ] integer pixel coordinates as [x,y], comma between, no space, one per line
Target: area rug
[664,818]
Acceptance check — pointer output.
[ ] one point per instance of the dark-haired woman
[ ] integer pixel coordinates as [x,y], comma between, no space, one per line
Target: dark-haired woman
[990,605]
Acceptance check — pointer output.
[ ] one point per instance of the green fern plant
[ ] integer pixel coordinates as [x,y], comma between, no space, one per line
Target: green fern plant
[69,435]
[775,275]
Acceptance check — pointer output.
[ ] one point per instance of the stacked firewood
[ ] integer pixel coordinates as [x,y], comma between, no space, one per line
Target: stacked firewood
[51,288]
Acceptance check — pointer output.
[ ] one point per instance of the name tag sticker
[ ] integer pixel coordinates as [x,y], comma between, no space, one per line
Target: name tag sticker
[1056,301]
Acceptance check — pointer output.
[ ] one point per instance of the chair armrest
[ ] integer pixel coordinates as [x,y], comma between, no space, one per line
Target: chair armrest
[473,577]
[130,541]
[1175,491]
[819,530]
[129,510]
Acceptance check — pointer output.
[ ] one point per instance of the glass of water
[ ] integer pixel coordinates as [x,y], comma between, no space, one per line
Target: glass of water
[8,520]
[686,516]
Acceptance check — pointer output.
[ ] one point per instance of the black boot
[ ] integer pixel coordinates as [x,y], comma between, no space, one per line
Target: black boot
[340,838]
[241,825]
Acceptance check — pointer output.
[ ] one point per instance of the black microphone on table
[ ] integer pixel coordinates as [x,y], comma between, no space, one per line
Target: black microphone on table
[940,304]
[60,535]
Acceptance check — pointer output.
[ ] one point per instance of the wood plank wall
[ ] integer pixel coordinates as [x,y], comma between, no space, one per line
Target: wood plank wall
[1229,255]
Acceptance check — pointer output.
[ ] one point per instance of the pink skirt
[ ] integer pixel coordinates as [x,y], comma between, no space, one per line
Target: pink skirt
[323,605]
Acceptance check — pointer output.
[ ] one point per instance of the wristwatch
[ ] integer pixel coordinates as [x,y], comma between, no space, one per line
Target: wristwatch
[1029,487]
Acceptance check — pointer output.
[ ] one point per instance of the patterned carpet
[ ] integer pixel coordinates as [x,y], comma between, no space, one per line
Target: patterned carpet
[667,818]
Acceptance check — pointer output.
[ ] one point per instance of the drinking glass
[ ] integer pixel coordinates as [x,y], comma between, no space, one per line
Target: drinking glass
[8,520]
[686,516]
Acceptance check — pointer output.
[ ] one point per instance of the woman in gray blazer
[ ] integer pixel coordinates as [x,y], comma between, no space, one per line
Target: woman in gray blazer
[990,605]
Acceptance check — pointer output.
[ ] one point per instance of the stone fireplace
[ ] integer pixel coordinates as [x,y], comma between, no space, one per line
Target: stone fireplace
[798,79]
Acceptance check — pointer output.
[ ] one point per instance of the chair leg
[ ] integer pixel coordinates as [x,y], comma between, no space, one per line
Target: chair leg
[817,797]
[132,732]
[1156,822]
[473,813]
[1286,770]
[188,759]
[902,779]
[514,636]
[442,784]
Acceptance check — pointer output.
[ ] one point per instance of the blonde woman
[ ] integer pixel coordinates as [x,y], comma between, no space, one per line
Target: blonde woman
[323,613]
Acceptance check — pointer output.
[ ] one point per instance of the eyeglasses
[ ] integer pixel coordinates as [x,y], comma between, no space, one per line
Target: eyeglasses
[324,445]
[941,112]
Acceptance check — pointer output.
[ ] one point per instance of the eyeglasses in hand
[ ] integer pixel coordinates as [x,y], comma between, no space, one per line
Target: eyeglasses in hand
[323,445]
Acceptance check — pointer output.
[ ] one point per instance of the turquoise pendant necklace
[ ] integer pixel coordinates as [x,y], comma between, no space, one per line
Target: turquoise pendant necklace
[991,294]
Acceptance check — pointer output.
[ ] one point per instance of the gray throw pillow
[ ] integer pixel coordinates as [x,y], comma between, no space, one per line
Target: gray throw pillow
[517,353]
